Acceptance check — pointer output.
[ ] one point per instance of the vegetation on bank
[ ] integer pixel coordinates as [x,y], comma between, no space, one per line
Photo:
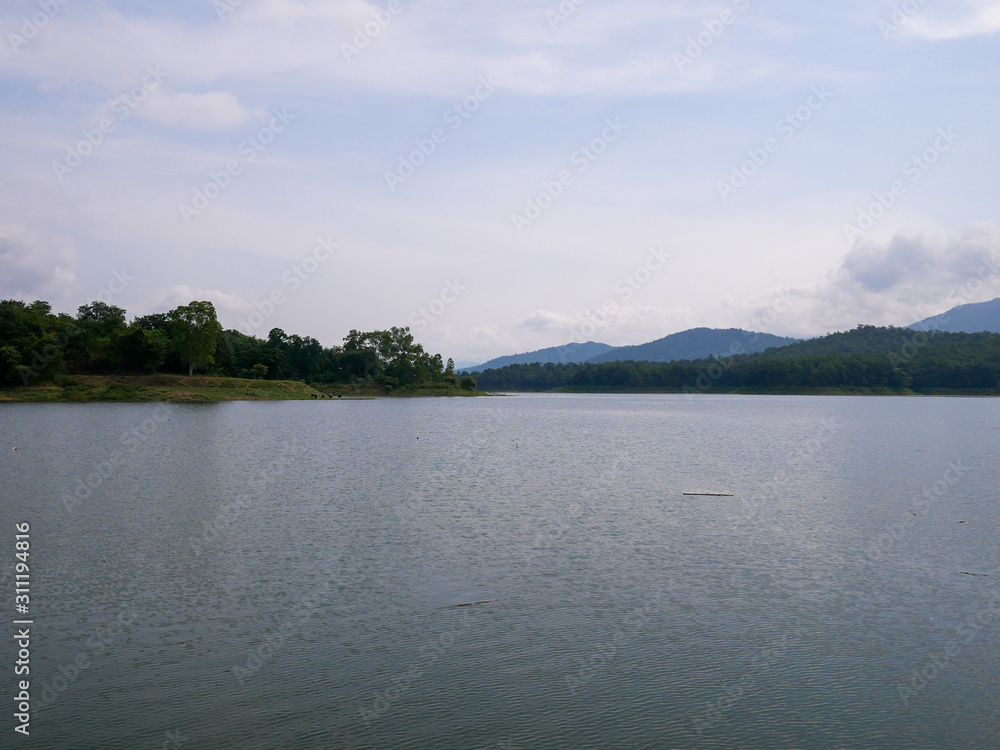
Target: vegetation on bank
[168,387]
[185,354]
[868,359]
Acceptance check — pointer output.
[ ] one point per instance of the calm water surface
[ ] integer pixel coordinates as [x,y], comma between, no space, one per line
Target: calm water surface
[279,575]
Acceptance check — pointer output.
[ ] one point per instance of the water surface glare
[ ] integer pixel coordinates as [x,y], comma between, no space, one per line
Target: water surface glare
[280,574]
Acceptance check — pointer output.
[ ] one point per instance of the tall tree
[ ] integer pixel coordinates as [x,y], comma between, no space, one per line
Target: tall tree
[194,331]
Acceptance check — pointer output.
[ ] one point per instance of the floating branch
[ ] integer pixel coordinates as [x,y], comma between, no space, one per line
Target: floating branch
[469,604]
[710,494]
[978,575]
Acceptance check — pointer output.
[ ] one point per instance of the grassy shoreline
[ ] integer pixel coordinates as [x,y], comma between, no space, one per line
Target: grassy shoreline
[208,389]
[205,389]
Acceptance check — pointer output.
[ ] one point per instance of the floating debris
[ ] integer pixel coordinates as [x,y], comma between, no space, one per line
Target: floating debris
[710,494]
[469,604]
[978,575]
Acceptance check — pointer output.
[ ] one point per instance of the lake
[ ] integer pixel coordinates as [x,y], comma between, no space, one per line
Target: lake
[281,574]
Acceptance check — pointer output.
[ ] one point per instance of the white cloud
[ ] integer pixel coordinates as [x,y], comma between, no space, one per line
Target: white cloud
[912,276]
[427,48]
[226,303]
[213,110]
[976,17]
[35,263]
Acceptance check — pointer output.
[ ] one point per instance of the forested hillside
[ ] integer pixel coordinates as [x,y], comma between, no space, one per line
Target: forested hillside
[867,358]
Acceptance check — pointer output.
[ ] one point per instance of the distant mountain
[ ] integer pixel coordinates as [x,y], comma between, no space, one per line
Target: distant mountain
[696,343]
[971,318]
[868,359]
[567,353]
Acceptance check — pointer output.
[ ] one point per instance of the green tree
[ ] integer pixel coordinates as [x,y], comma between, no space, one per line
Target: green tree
[10,360]
[194,332]
[108,318]
[141,349]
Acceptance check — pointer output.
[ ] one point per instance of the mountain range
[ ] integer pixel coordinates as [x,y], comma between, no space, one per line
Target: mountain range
[972,318]
[696,343]
[700,343]
[571,353]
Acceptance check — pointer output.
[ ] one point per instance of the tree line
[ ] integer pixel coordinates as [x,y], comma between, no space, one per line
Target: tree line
[868,357]
[37,345]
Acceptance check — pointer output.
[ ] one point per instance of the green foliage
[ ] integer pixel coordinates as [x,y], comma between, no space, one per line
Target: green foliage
[867,358]
[142,350]
[32,342]
[38,346]
[194,332]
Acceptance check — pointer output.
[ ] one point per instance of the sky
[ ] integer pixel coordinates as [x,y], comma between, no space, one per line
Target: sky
[503,177]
